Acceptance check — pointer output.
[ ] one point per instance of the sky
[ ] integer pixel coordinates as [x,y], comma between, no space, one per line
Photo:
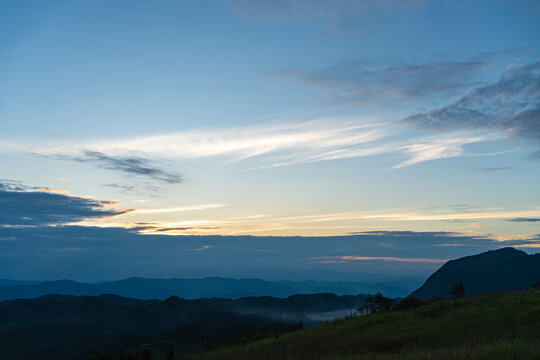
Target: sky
[276,139]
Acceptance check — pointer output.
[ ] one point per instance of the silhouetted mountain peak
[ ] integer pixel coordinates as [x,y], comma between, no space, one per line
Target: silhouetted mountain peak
[494,270]
[506,252]
[509,249]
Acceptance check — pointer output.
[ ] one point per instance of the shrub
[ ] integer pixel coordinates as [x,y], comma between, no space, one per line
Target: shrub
[374,304]
[458,291]
[409,303]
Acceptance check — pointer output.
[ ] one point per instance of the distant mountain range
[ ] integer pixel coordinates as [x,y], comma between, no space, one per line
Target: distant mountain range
[71,326]
[74,327]
[142,288]
[495,270]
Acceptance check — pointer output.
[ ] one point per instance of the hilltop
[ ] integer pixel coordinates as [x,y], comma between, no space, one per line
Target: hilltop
[494,270]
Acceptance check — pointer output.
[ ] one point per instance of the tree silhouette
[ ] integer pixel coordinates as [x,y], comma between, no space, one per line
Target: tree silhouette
[458,291]
[375,303]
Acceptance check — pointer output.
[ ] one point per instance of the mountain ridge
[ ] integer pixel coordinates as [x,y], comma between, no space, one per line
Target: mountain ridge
[73,327]
[493,270]
[149,288]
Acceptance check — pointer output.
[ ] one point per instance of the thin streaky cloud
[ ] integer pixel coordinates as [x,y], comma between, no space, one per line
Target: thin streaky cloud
[248,142]
[406,233]
[123,189]
[174,231]
[53,190]
[202,248]
[384,258]
[499,168]
[128,164]
[412,215]
[179,209]
[532,246]
[438,147]
[524,219]
[272,145]
[362,221]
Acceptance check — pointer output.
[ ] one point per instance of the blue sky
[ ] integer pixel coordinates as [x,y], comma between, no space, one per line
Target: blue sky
[319,119]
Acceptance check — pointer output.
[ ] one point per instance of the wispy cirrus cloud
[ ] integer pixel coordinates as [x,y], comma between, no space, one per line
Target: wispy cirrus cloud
[439,147]
[267,145]
[416,215]
[478,110]
[200,207]
[251,141]
[418,150]
[235,142]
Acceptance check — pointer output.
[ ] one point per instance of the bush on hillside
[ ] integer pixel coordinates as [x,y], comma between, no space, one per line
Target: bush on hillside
[374,304]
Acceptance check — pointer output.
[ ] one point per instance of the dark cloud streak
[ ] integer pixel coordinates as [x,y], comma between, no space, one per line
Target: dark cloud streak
[129,165]
[525,219]
[362,81]
[510,105]
[501,168]
[21,205]
[534,155]
[123,189]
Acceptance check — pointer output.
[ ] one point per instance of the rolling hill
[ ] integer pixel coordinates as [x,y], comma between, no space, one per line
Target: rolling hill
[74,327]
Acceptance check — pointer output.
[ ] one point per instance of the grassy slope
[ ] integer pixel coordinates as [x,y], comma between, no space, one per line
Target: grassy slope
[495,326]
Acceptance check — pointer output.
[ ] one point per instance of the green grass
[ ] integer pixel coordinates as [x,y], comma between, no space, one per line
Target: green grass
[494,326]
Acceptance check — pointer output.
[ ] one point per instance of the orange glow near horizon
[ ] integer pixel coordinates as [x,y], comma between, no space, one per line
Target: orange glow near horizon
[383,258]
